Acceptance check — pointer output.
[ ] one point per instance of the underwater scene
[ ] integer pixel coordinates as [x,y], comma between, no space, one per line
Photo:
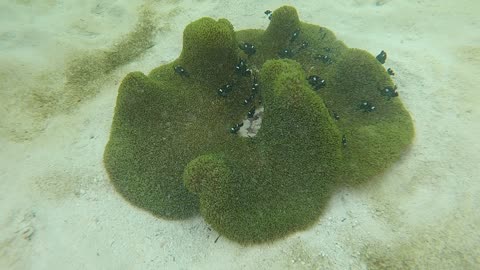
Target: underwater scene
[203,134]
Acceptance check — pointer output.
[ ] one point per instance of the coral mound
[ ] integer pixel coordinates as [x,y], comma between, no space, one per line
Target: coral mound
[331,118]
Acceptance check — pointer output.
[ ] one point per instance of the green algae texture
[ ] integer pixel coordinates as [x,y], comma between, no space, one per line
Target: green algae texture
[171,150]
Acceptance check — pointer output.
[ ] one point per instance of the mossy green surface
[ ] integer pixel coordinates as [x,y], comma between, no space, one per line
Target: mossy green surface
[282,180]
[170,150]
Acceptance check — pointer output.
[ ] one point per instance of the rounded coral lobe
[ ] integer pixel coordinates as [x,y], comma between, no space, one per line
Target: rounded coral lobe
[206,168]
[209,49]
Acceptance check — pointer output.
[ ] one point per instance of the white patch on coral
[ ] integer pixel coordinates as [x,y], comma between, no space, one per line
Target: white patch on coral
[252,125]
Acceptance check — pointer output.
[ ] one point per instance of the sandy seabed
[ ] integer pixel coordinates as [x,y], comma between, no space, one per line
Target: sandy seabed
[59,211]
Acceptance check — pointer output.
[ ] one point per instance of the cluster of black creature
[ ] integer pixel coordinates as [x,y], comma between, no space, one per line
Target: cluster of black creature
[387,91]
[315,81]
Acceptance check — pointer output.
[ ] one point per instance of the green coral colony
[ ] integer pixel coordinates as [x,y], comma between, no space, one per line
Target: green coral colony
[330,118]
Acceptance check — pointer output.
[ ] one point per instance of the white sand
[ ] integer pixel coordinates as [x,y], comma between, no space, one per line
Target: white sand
[59,211]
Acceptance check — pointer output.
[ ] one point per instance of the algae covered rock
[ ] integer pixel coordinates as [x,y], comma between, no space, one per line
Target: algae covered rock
[329,118]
